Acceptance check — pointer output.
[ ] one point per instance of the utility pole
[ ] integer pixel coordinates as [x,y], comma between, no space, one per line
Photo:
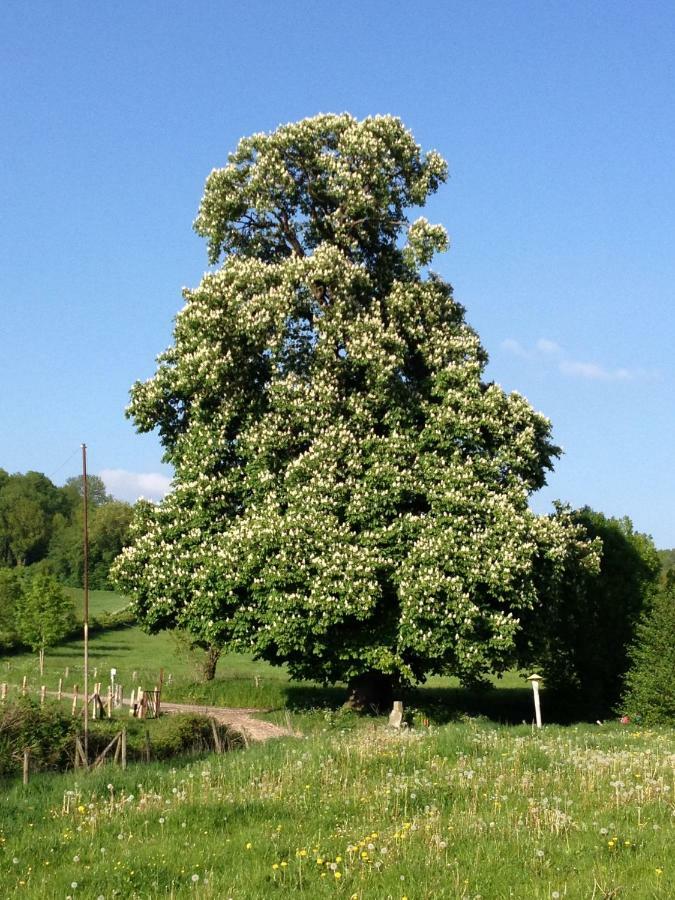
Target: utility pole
[86,604]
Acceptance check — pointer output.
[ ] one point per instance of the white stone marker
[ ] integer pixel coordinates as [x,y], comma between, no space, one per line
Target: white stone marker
[396,715]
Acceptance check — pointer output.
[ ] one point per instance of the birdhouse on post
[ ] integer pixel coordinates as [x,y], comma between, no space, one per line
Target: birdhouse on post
[535,680]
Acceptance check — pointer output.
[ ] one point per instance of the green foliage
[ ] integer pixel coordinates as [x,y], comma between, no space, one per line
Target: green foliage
[667,558]
[45,613]
[580,636]
[41,527]
[28,505]
[164,738]
[45,731]
[650,681]
[350,496]
[11,593]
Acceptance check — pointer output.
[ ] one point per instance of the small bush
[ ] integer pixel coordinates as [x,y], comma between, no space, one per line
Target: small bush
[45,731]
[163,738]
[49,733]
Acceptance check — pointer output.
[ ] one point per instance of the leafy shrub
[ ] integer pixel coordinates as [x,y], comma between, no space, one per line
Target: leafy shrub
[45,731]
[49,733]
[650,682]
[163,738]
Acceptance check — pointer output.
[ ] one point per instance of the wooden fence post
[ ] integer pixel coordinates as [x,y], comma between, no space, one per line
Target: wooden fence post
[60,690]
[23,687]
[26,765]
[216,737]
[3,691]
[124,748]
[43,691]
[74,709]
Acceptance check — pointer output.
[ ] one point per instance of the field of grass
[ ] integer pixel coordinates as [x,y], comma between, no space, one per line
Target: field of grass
[100,602]
[457,806]
[465,810]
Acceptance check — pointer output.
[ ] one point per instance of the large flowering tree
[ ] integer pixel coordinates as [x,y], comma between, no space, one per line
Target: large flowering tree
[350,496]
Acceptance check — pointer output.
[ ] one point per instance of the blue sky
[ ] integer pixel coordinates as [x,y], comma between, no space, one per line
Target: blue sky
[558,124]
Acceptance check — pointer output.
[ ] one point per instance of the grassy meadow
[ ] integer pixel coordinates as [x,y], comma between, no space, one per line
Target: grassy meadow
[465,810]
[457,806]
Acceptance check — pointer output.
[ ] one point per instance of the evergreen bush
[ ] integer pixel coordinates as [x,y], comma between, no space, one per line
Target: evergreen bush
[650,682]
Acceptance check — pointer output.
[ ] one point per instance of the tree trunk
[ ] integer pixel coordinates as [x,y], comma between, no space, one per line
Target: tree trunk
[211,658]
[42,661]
[372,692]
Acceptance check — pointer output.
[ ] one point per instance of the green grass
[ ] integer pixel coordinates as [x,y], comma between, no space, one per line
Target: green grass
[465,810]
[100,602]
[456,806]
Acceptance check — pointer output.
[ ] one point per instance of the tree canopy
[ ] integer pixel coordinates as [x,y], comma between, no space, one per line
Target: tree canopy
[41,526]
[350,496]
[45,614]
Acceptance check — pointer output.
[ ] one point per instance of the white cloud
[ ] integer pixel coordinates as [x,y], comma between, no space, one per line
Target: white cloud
[132,485]
[547,352]
[548,347]
[514,347]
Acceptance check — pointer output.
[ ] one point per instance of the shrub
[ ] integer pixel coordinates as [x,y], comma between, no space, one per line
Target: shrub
[580,636]
[45,731]
[650,682]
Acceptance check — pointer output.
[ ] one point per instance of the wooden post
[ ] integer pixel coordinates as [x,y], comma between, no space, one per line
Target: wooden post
[75,690]
[158,691]
[66,674]
[110,701]
[216,737]
[95,673]
[124,748]
[60,690]
[80,758]
[132,701]
[26,765]
[134,675]
[43,691]
[23,687]
[140,703]
[3,691]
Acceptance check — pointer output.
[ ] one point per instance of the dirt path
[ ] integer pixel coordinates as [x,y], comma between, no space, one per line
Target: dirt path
[240,718]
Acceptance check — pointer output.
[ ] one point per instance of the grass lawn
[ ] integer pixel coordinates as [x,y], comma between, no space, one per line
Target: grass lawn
[465,810]
[100,602]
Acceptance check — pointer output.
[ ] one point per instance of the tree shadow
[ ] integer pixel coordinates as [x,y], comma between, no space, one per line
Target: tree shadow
[504,705]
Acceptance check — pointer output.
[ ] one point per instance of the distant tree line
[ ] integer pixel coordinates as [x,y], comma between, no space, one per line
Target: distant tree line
[41,527]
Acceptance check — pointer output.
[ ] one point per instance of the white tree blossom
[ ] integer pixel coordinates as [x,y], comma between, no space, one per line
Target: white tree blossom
[350,496]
